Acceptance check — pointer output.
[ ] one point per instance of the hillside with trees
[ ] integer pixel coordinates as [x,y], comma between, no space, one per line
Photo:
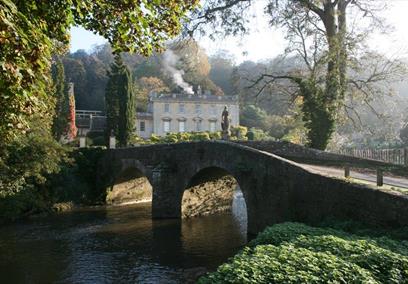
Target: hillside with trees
[274,111]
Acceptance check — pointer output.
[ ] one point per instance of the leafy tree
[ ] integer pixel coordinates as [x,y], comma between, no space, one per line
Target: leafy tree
[75,72]
[71,127]
[404,134]
[96,79]
[222,66]
[320,38]
[25,164]
[195,64]
[144,86]
[31,31]
[104,53]
[89,75]
[252,116]
[149,67]
[60,120]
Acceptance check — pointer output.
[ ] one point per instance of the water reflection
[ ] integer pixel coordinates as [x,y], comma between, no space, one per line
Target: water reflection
[117,245]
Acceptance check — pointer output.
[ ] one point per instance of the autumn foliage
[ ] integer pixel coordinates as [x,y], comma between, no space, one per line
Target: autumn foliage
[72,129]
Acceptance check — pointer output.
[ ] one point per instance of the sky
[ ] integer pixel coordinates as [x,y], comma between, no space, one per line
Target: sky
[264,42]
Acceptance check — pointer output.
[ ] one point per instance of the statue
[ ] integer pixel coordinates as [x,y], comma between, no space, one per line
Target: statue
[225,124]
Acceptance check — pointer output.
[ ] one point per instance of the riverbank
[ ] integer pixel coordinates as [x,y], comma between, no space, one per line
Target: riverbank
[70,184]
[297,253]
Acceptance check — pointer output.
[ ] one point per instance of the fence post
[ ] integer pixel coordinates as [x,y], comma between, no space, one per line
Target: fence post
[82,142]
[380,181]
[405,157]
[112,142]
[347,171]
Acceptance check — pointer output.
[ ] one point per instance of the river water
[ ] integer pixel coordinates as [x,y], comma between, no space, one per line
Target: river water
[118,245]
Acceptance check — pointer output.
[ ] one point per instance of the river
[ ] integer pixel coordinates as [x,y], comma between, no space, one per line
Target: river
[120,244]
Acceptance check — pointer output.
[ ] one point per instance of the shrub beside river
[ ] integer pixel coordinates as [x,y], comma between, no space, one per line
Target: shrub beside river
[32,181]
[296,253]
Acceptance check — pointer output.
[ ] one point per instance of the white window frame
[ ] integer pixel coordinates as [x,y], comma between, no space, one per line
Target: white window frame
[182,126]
[198,125]
[198,108]
[213,110]
[213,125]
[182,108]
[166,126]
[166,108]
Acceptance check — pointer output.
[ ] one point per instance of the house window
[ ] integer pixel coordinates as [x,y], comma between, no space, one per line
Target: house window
[166,108]
[142,126]
[181,108]
[198,108]
[182,126]
[166,126]
[198,125]
[212,126]
[213,111]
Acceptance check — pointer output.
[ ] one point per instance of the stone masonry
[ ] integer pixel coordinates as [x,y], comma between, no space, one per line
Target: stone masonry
[275,189]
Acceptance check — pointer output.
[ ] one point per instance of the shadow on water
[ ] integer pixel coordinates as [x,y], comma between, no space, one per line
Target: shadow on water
[117,245]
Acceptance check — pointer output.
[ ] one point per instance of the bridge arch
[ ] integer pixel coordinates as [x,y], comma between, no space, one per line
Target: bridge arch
[275,189]
[130,184]
[210,190]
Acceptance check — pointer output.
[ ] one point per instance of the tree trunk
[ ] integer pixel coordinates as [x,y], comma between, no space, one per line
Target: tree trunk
[342,5]
[318,118]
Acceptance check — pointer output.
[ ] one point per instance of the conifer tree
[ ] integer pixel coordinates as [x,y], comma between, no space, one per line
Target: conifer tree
[120,102]
[60,119]
[112,99]
[127,109]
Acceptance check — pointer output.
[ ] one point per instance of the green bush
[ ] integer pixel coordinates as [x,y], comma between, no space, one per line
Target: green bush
[296,253]
[170,138]
[190,136]
[94,134]
[25,165]
[257,134]
[287,264]
[27,201]
[184,136]
[200,136]
[215,135]
[154,138]
[239,132]
[76,180]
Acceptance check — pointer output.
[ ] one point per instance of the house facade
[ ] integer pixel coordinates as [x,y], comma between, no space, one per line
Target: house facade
[185,113]
[174,113]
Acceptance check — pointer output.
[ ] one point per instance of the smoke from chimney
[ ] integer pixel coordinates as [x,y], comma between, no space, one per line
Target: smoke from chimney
[170,60]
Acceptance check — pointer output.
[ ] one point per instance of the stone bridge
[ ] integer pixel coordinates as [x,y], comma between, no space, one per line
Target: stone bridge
[275,189]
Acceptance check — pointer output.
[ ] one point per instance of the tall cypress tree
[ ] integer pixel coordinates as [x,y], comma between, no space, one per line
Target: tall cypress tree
[60,120]
[120,102]
[112,99]
[127,109]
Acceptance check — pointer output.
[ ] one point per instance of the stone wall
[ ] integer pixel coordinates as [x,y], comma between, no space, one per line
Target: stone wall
[209,197]
[130,191]
[275,189]
[303,154]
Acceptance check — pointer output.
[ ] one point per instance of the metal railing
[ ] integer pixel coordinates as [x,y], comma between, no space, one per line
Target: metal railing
[393,156]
